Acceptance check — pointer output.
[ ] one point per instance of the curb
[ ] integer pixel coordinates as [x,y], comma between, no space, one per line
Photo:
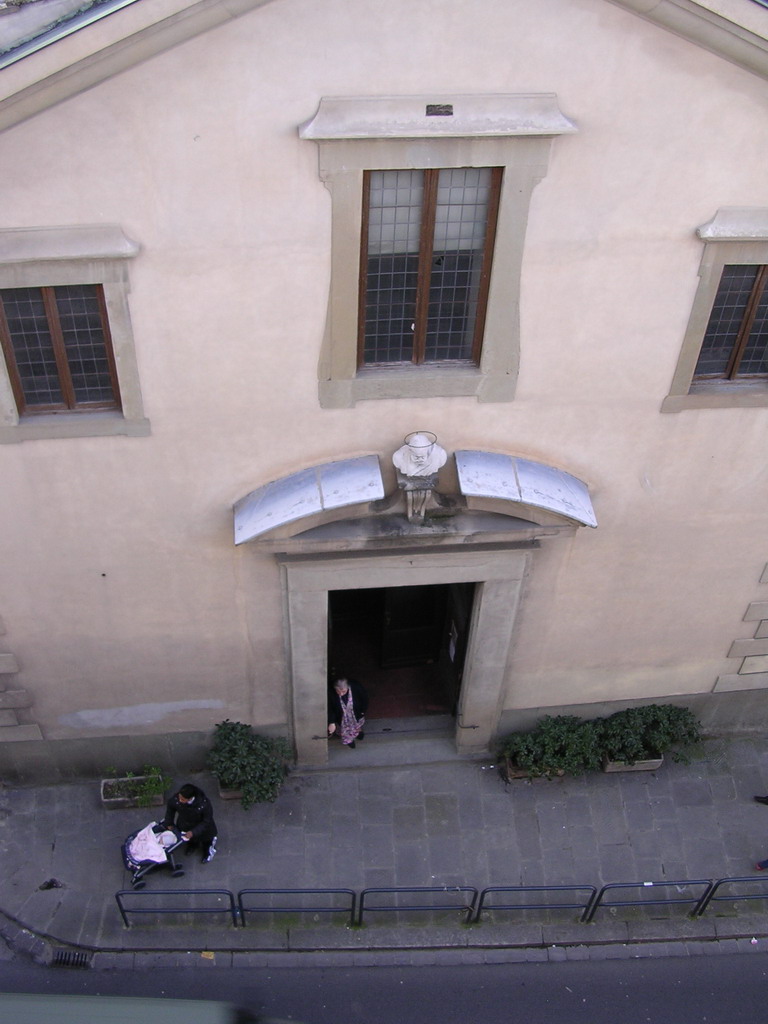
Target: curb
[49,952]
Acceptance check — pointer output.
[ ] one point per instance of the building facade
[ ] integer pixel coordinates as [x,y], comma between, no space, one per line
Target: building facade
[247,248]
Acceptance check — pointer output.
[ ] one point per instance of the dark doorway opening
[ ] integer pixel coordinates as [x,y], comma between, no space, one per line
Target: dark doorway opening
[406,645]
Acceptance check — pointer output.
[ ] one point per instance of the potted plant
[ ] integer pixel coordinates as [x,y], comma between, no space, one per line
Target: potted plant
[134,789]
[247,765]
[637,738]
[559,745]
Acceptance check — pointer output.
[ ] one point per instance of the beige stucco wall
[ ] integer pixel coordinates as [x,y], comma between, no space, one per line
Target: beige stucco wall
[121,585]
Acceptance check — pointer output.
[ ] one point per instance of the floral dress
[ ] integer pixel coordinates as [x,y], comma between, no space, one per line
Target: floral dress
[351,727]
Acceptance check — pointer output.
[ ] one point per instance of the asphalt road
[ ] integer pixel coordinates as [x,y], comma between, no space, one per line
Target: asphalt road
[726,989]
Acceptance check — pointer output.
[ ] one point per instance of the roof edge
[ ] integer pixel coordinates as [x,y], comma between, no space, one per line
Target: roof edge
[720,35]
[119,54]
[712,31]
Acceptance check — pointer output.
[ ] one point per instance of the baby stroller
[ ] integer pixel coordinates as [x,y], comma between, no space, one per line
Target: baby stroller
[149,848]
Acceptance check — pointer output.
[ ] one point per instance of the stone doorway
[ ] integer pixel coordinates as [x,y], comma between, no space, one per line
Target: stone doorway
[337,527]
[496,577]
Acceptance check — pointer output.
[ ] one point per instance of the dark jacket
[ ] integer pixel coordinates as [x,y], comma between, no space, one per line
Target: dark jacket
[359,702]
[196,817]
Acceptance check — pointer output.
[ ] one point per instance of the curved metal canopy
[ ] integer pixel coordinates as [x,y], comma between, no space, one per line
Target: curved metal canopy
[491,475]
[357,481]
[332,485]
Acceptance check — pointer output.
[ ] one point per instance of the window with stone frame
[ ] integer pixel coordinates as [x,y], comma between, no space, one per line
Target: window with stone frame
[58,349]
[68,363]
[412,313]
[723,361]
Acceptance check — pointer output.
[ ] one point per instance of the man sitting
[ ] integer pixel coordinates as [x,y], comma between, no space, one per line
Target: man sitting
[191,813]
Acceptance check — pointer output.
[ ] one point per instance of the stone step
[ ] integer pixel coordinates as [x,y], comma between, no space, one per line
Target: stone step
[397,751]
[414,723]
[17,733]
[8,663]
[15,699]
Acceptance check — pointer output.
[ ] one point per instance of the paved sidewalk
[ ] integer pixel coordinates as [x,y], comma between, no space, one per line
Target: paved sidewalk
[452,823]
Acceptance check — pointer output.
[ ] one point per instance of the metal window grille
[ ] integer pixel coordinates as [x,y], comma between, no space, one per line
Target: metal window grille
[735,343]
[425,263]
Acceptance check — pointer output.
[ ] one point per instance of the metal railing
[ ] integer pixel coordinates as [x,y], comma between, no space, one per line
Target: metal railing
[710,896]
[151,894]
[466,907]
[245,907]
[582,905]
[644,901]
[473,902]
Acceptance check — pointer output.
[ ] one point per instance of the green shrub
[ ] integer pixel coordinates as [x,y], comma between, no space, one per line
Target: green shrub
[565,744]
[560,744]
[648,731]
[243,760]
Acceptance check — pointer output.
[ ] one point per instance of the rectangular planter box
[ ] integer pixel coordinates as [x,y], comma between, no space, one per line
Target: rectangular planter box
[650,765]
[116,803]
[230,794]
[511,771]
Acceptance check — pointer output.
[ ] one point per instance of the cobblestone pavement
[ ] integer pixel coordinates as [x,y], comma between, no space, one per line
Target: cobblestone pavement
[448,824]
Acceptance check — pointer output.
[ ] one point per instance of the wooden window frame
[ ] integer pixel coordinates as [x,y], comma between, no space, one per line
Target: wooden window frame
[741,338]
[70,403]
[426,250]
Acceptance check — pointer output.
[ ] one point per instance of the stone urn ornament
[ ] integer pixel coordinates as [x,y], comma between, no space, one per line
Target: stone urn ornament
[418,462]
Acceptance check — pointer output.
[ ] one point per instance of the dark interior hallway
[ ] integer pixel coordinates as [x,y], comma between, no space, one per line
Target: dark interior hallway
[401,645]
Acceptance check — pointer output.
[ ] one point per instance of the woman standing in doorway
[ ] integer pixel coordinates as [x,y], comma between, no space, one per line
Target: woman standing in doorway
[347,705]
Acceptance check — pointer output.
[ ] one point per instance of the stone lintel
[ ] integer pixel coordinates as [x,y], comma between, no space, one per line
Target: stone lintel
[439,115]
[82,242]
[736,224]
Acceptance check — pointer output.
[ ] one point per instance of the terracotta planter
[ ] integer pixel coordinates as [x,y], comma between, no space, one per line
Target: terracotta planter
[115,803]
[651,765]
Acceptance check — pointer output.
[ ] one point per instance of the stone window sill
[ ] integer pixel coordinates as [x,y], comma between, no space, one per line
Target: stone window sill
[720,395]
[55,425]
